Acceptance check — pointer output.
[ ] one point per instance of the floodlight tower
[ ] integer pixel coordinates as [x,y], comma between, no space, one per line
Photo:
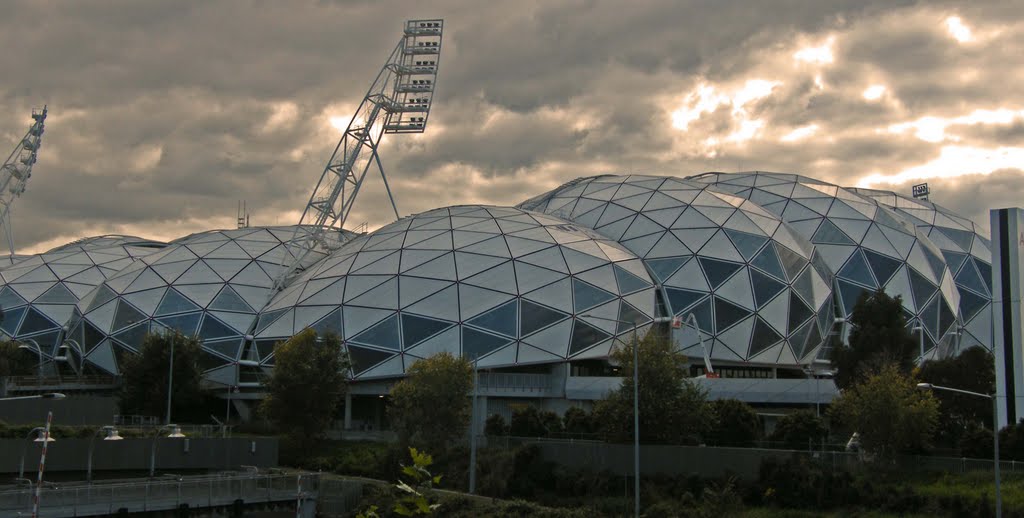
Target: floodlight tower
[17,169]
[398,101]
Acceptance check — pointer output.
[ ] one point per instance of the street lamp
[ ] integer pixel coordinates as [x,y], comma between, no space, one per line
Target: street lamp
[636,409]
[472,428]
[175,433]
[170,384]
[995,433]
[39,350]
[42,437]
[920,333]
[112,435]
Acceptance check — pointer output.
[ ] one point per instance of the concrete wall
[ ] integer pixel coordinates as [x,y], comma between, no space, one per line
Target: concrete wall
[73,410]
[133,454]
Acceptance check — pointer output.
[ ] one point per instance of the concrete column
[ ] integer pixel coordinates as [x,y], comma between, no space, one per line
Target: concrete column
[348,410]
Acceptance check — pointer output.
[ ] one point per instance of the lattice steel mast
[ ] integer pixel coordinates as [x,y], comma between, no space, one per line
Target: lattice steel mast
[17,169]
[398,101]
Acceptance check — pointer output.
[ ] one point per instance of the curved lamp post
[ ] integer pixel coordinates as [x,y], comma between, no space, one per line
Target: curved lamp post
[995,433]
[48,395]
[112,435]
[39,351]
[175,433]
[42,437]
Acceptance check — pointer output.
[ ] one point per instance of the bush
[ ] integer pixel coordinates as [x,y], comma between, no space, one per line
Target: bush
[495,426]
[799,430]
[529,421]
[578,422]
[736,423]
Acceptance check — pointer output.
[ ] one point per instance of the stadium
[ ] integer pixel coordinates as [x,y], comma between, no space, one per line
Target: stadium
[762,267]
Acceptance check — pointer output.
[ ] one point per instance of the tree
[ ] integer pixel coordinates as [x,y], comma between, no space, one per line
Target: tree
[431,406]
[673,410]
[578,422]
[530,421]
[736,423]
[308,384]
[888,410]
[799,430]
[880,337]
[144,387]
[495,425]
[973,370]
[15,361]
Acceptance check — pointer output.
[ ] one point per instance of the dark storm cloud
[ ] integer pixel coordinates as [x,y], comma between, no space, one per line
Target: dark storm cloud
[163,115]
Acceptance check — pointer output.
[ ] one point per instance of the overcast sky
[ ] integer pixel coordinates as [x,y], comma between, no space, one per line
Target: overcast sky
[164,114]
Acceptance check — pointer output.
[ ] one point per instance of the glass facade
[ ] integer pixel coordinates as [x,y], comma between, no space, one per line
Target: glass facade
[753,284]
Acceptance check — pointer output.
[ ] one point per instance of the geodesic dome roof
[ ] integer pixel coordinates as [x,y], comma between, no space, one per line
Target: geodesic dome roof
[744,275]
[39,293]
[495,283]
[868,246]
[209,284]
[968,255]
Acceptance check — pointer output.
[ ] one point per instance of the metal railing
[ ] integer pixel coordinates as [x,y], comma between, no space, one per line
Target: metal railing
[72,382]
[142,495]
[515,382]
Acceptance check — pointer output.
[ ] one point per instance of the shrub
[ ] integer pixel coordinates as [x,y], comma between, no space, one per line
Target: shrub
[495,425]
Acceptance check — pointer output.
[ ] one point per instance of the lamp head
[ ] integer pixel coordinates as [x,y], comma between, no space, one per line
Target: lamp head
[113,435]
[43,437]
[175,432]
[924,386]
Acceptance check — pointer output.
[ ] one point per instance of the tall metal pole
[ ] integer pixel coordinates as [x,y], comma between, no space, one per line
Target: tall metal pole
[995,455]
[42,465]
[170,383]
[472,431]
[636,423]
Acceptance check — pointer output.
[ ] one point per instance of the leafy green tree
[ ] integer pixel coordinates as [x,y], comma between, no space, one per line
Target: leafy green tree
[736,423]
[578,422]
[1011,441]
[530,421]
[15,361]
[495,425]
[308,384]
[973,370]
[431,406]
[799,429]
[888,410]
[673,410]
[144,387]
[880,337]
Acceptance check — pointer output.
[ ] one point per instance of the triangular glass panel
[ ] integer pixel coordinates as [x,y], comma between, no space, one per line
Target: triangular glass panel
[681,299]
[664,268]
[791,261]
[363,359]
[970,278]
[502,319]
[228,348]
[763,337]
[971,304]
[477,343]
[628,283]
[35,322]
[383,334]
[9,299]
[717,272]
[174,302]
[58,294]
[133,336]
[268,318]
[830,234]
[628,313]
[946,317]
[12,317]
[985,269]
[91,337]
[533,317]
[935,262]
[727,314]
[584,336]
[213,329]
[962,238]
[702,313]
[264,348]
[747,244]
[954,260]
[101,296]
[921,286]
[208,361]
[765,288]
[768,261]
[856,270]
[417,329]
[883,267]
[798,311]
[586,296]
[228,300]
[849,293]
[331,324]
[126,315]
